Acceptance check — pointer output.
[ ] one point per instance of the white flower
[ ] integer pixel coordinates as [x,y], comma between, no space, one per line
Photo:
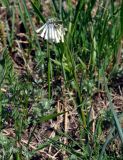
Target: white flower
[52,31]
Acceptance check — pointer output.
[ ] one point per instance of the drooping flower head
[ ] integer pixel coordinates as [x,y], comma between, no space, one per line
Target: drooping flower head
[52,31]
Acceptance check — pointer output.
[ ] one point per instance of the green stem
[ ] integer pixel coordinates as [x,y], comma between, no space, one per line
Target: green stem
[49,64]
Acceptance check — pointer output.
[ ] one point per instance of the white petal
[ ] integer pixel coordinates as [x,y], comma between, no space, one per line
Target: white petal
[57,37]
[59,32]
[61,35]
[53,33]
[62,38]
[46,35]
[54,36]
[50,32]
[44,32]
[38,30]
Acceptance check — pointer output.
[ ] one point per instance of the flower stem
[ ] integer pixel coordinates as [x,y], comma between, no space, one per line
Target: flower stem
[49,65]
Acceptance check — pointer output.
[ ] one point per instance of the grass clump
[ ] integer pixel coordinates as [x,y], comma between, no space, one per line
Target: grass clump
[61,101]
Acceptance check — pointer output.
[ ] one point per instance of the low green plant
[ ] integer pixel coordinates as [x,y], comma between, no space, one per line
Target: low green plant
[86,61]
